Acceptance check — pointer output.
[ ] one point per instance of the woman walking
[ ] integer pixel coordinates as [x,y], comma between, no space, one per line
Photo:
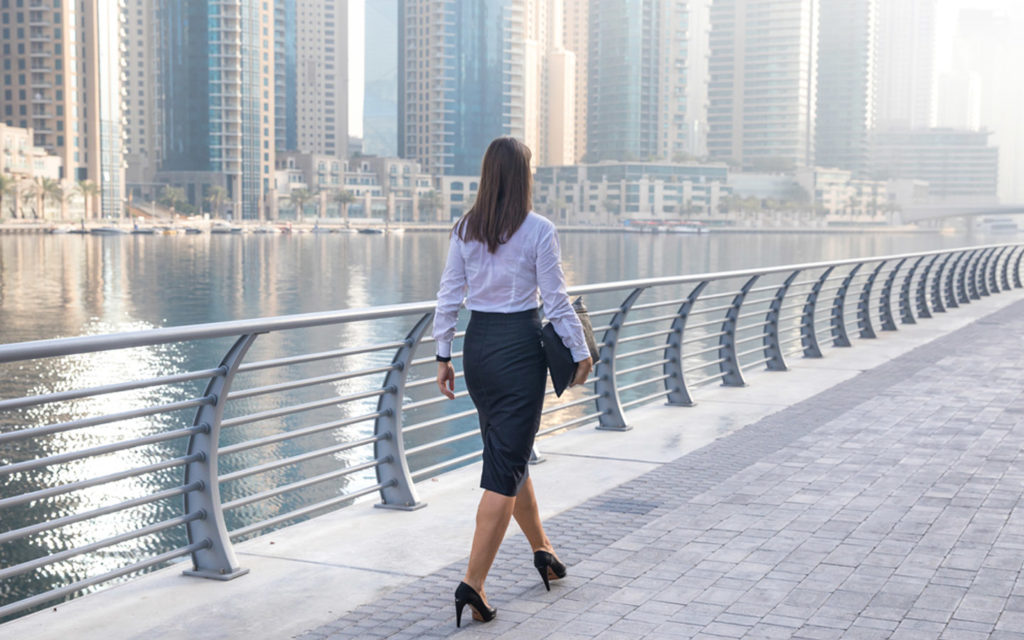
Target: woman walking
[500,255]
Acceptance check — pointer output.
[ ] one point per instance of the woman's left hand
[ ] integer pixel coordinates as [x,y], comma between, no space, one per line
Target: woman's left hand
[446,379]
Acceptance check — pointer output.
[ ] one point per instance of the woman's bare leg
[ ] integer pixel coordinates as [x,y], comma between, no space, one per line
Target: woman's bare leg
[492,518]
[527,516]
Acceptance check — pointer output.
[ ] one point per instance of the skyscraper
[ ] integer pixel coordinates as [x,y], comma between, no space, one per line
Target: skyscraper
[640,69]
[461,80]
[218,85]
[549,91]
[576,38]
[762,83]
[143,98]
[380,100]
[61,66]
[905,63]
[846,86]
[286,135]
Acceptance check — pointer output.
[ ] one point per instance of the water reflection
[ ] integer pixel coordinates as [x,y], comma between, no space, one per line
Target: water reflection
[52,286]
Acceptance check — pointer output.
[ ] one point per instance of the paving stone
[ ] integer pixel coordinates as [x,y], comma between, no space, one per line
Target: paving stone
[888,506]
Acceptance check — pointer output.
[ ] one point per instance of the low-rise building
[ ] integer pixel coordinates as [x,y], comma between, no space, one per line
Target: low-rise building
[612,192]
[958,165]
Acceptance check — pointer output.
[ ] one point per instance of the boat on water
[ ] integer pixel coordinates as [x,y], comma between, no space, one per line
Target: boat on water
[109,231]
[689,227]
[144,231]
[223,227]
[193,230]
[371,231]
[266,229]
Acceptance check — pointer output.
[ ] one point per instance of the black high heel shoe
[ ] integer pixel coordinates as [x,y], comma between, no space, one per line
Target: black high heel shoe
[547,564]
[465,594]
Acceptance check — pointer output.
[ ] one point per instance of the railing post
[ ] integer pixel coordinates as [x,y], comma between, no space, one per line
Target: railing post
[1005,274]
[885,298]
[906,314]
[605,386]
[217,560]
[986,258]
[993,273]
[732,373]
[937,285]
[398,491]
[864,304]
[972,277]
[808,337]
[776,360]
[921,295]
[1016,270]
[952,282]
[838,322]
[678,394]
[962,295]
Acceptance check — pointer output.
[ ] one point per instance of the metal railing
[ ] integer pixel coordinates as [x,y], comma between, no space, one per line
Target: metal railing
[179,463]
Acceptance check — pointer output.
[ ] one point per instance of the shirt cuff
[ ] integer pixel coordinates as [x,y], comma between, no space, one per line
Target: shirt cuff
[444,349]
[580,354]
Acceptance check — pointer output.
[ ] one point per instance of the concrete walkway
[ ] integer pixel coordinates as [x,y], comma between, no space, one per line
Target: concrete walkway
[872,493]
[888,506]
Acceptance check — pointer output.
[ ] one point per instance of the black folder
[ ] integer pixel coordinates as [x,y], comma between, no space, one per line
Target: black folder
[561,365]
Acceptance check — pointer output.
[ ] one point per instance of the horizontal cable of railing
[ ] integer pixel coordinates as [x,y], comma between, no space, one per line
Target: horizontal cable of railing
[323,425]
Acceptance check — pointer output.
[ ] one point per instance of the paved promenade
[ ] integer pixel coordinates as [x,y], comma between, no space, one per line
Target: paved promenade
[888,506]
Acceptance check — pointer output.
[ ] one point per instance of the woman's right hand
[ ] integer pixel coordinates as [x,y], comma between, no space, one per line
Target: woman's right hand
[583,368]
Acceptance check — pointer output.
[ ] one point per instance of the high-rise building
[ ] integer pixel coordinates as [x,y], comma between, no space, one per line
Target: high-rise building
[311,76]
[905,63]
[549,78]
[762,84]
[61,65]
[143,99]
[380,99]
[461,80]
[219,109]
[846,87]
[576,38]
[640,70]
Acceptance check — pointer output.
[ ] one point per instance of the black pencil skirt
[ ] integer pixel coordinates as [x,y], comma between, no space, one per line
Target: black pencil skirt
[506,374]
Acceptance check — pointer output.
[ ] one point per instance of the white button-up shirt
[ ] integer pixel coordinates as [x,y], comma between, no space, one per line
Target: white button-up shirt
[508,281]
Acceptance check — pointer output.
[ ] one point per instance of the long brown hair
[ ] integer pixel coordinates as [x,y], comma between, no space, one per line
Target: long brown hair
[504,197]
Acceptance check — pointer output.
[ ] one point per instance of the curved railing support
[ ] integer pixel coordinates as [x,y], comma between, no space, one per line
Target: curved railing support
[906,314]
[864,304]
[839,336]
[1016,270]
[397,490]
[937,287]
[885,298]
[1005,273]
[972,273]
[217,560]
[993,273]
[808,337]
[678,394]
[983,270]
[953,282]
[921,293]
[605,387]
[732,374]
[775,359]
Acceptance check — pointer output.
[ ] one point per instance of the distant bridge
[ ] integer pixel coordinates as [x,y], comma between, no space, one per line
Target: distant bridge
[918,213]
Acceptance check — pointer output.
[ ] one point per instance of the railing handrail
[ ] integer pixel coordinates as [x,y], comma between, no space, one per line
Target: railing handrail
[55,347]
[803,305]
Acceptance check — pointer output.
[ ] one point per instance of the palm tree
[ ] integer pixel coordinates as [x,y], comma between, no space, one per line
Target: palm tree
[215,196]
[8,186]
[88,190]
[299,198]
[344,198]
[429,203]
[49,189]
[172,197]
[32,197]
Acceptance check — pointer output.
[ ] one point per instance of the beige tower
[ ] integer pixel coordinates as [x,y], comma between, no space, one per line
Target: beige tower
[575,30]
[143,102]
[549,85]
[321,82]
[64,82]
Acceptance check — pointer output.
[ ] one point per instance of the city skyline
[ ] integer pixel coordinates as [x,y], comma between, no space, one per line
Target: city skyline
[763,86]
